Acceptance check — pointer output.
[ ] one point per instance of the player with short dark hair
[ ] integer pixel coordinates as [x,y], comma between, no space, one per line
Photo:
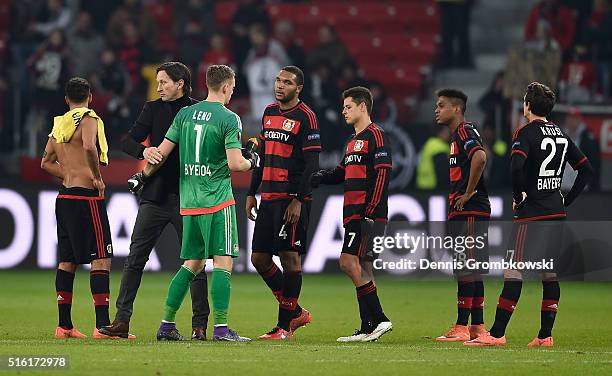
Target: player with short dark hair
[290,146]
[83,233]
[365,171]
[540,150]
[468,211]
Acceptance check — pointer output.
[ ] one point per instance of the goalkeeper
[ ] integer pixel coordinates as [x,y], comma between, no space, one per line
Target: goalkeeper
[208,135]
[159,200]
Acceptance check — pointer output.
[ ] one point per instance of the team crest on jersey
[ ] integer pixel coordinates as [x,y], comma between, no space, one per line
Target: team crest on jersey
[358,145]
[288,125]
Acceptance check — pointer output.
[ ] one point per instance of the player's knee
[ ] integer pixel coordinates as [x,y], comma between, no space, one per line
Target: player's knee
[223,262]
[195,266]
[101,264]
[513,274]
[348,266]
[67,266]
[291,261]
[261,261]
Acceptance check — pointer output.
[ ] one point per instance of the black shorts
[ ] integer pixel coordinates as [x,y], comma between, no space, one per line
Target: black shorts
[536,241]
[359,238]
[83,233]
[471,243]
[273,235]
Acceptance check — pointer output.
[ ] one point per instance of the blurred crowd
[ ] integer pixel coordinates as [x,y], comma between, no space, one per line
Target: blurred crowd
[117,45]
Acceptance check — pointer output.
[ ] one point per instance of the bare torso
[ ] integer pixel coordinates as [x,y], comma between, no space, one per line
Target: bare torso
[72,158]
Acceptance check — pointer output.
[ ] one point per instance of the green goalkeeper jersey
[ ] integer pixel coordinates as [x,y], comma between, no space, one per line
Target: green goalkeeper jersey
[203,131]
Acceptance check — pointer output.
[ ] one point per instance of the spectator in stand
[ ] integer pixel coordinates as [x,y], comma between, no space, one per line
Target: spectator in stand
[111,85]
[49,68]
[560,18]
[265,59]
[575,129]
[248,13]
[455,24]
[101,12]
[330,50]
[218,53]
[349,76]
[536,60]
[284,32]
[578,78]
[384,109]
[133,53]
[131,11]
[195,22]
[85,44]
[55,16]
[496,107]
[597,35]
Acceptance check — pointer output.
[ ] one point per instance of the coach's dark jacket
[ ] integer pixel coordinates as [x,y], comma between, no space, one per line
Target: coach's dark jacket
[153,122]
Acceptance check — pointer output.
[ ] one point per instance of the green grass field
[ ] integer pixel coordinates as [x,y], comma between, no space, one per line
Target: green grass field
[419,310]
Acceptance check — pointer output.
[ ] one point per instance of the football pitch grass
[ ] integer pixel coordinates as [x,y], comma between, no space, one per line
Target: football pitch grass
[419,310]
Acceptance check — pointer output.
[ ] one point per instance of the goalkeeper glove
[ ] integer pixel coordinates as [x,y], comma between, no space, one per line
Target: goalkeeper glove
[136,182]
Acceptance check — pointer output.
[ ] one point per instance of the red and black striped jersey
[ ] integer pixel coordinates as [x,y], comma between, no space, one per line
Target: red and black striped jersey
[465,141]
[287,135]
[546,149]
[366,171]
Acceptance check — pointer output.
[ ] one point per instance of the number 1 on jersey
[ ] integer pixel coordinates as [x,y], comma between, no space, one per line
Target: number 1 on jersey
[198,130]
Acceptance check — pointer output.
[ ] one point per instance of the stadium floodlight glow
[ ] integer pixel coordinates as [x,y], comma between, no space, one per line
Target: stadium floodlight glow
[23,235]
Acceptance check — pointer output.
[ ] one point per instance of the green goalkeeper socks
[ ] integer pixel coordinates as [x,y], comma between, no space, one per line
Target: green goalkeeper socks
[220,294]
[177,291]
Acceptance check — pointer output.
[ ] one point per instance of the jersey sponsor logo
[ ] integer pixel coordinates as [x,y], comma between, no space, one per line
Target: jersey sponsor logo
[358,145]
[276,135]
[197,170]
[288,125]
[353,158]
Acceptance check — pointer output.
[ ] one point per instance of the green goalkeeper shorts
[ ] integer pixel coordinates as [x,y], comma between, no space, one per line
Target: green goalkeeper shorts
[208,235]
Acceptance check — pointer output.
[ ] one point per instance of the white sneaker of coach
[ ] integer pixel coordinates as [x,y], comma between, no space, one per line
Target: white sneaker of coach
[380,329]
